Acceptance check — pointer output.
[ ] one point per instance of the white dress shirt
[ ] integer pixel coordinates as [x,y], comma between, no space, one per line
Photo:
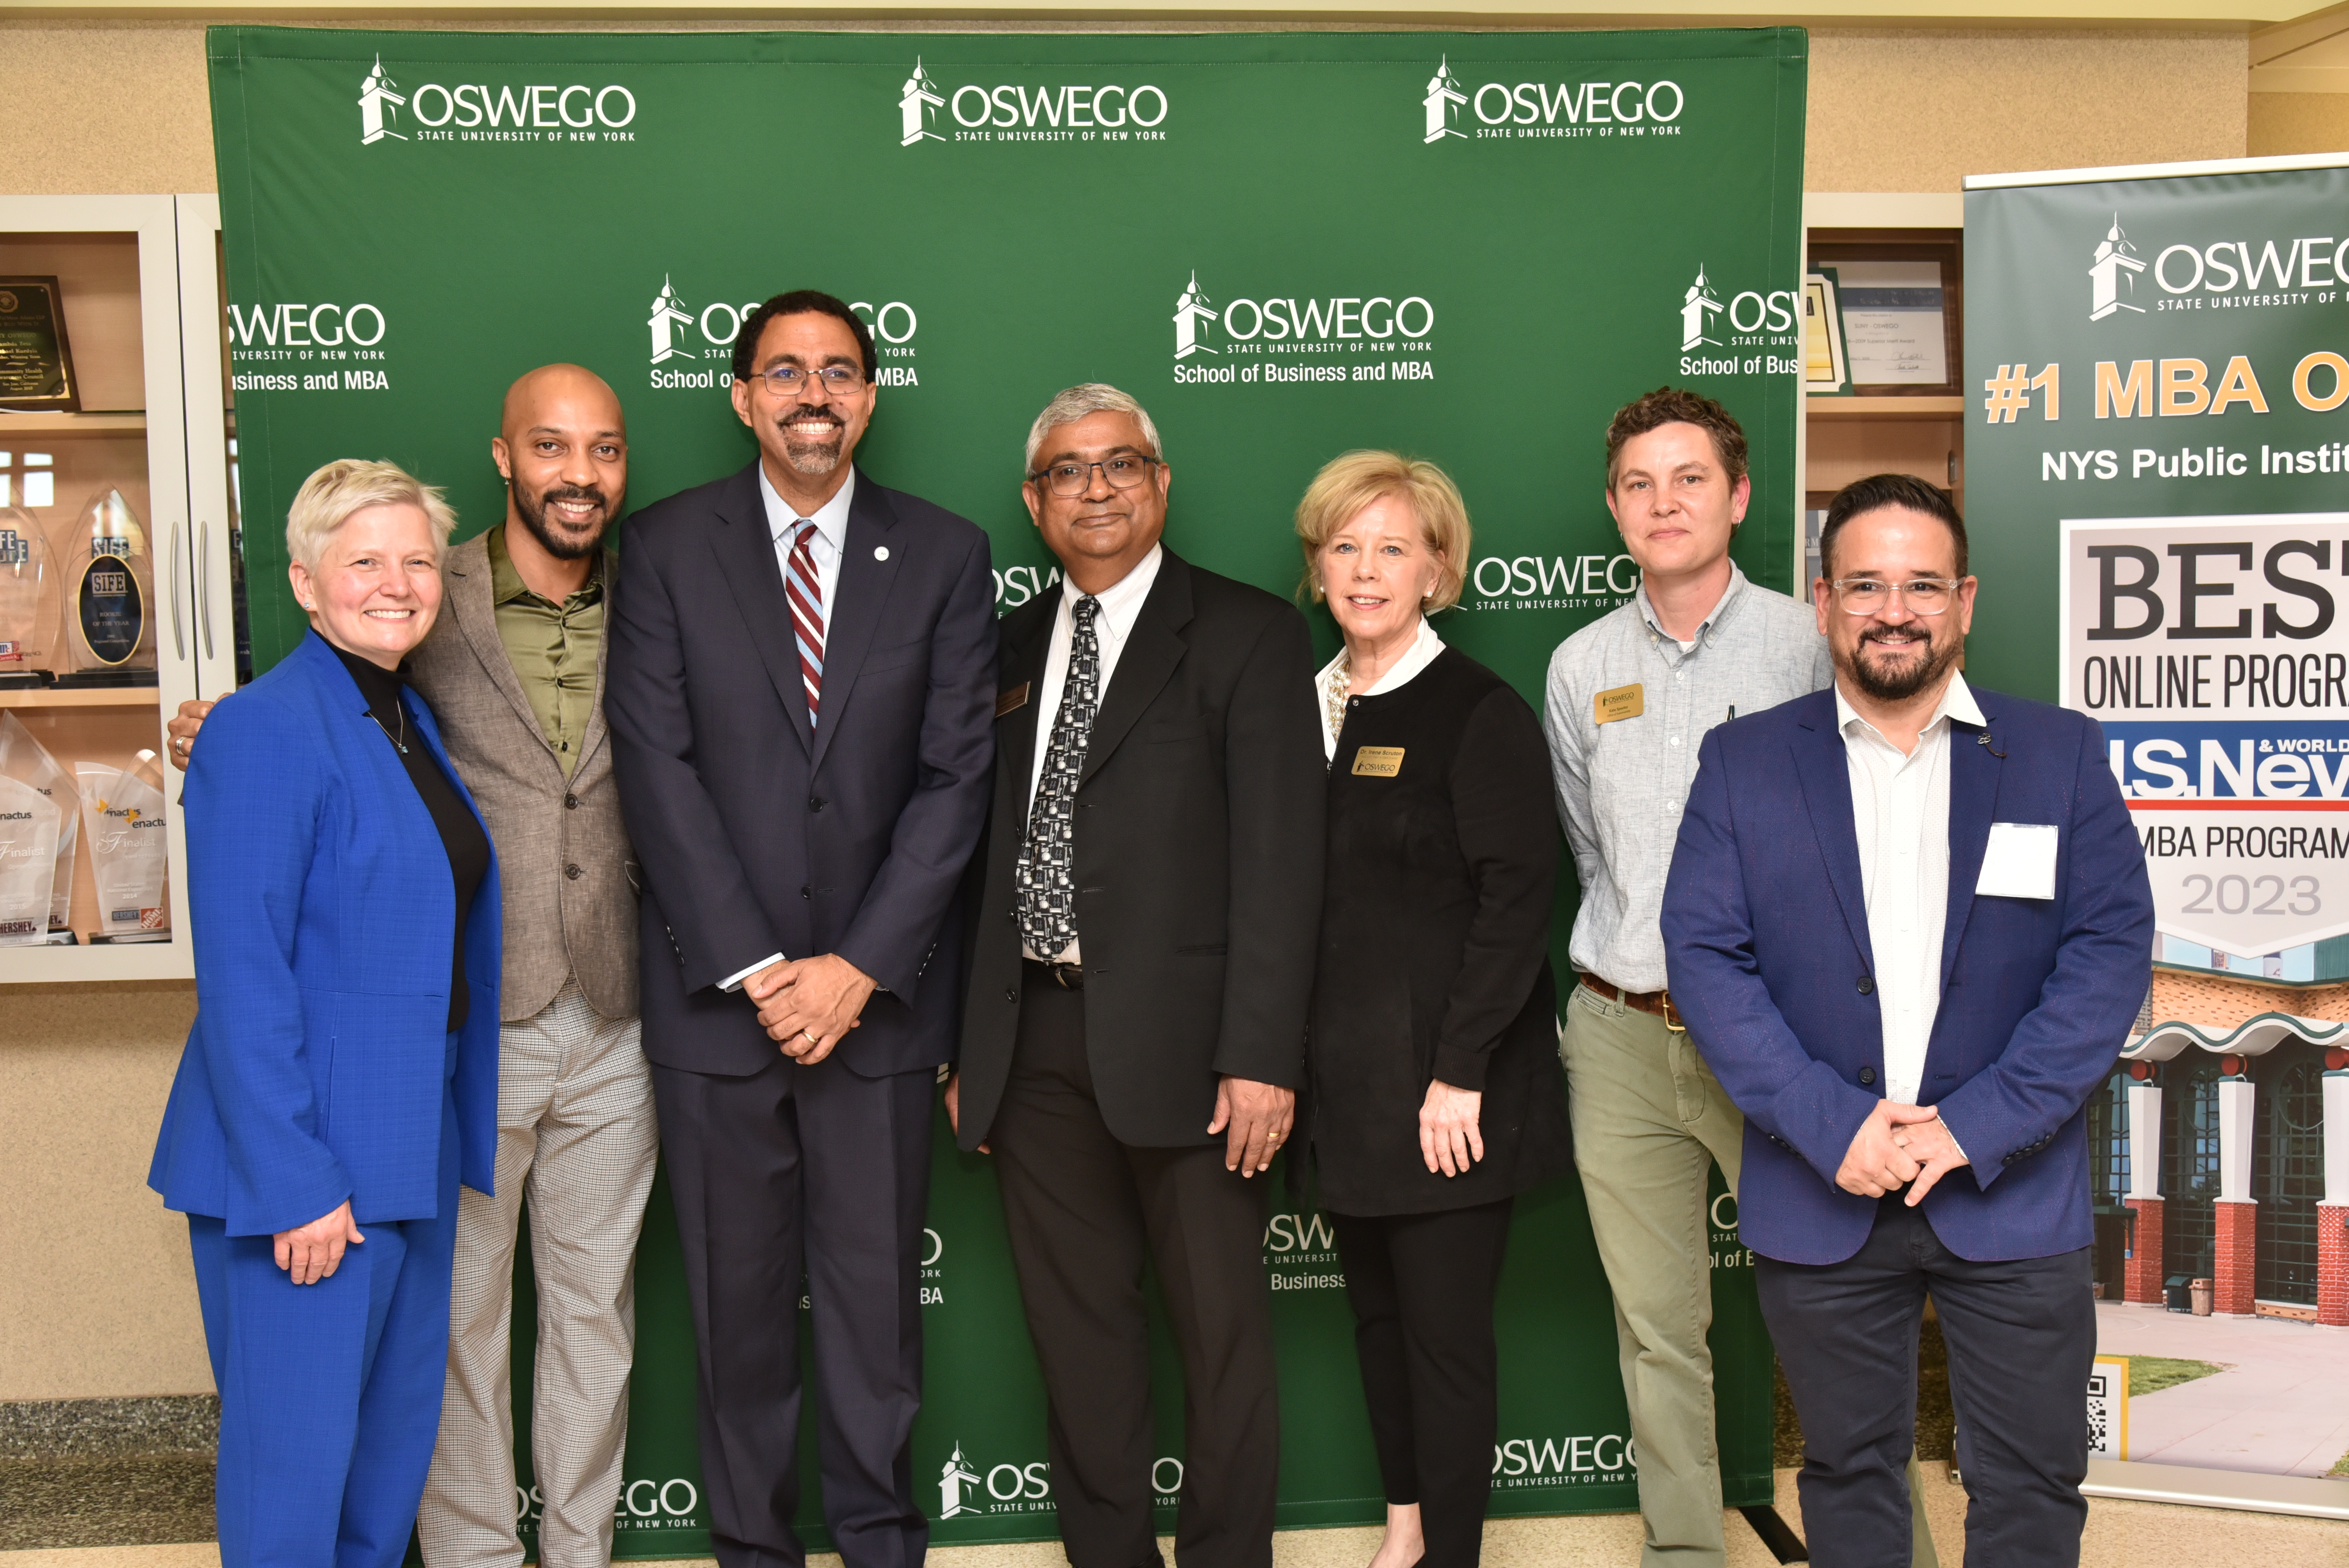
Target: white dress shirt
[1422,653]
[831,522]
[1900,814]
[1121,602]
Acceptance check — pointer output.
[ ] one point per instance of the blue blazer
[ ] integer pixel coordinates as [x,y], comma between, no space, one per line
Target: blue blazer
[323,914]
[1765,937]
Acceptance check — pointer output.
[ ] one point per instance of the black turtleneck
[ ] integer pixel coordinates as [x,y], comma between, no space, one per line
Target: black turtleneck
[462,837]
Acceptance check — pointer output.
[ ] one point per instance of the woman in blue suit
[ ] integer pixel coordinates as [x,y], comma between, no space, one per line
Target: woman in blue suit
[342,1077]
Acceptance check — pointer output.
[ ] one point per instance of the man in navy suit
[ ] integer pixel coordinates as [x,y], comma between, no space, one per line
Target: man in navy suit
[1908,925]
[798,678]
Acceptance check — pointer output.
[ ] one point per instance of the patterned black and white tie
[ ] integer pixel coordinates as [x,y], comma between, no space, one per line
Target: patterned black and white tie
[1047,903]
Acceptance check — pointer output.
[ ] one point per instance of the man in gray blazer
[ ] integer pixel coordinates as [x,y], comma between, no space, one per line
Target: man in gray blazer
[514,671]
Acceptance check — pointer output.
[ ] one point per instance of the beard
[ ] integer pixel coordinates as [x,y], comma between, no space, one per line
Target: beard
[1903,681]
[562,544]
[813,458]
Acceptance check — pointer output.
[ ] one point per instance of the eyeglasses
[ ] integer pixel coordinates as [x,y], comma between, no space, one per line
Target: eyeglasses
[787,380]
[1923,595]
[1071,478]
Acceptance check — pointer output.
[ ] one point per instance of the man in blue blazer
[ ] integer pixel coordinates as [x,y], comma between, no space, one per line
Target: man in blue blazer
[1908,925]
[800,669]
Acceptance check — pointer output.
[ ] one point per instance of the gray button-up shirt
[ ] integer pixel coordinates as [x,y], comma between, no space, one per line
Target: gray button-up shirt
[1621,784]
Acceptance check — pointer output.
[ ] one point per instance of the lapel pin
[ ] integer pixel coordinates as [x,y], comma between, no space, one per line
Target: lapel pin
[879,553]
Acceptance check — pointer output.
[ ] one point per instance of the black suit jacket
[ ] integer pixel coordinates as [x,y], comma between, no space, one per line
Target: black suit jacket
[757,836]
[1199,843]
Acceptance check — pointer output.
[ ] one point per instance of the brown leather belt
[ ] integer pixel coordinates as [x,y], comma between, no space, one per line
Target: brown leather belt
[1659,1003]
[1067,977]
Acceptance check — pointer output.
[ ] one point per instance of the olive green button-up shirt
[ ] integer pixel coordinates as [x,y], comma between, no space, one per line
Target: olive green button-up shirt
[552,647]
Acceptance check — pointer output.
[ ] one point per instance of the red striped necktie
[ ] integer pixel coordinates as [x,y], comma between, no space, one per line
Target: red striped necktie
[805,591]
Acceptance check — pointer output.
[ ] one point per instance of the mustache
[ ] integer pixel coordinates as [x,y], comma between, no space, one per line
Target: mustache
[806,411]
[592,494]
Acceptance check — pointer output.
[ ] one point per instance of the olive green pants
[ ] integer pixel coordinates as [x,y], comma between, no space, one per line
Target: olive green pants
[1649,1122]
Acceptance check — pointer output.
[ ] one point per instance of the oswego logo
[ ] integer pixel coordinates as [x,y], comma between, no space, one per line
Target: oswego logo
[2113,272]
[323,347]
[1753,319]
[475,111]
[1521,110]
[1018,111]
[1354,326]
[2224,274]
[964,1491]
[676,332]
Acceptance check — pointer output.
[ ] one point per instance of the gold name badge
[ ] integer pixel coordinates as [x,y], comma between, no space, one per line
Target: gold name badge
[1623,702]
[1378,761]
[1010,701]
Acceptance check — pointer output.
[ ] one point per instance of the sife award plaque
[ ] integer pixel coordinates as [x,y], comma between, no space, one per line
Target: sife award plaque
[35,362]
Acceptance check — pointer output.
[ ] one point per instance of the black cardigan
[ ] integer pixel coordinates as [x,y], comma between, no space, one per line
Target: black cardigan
[1434,960]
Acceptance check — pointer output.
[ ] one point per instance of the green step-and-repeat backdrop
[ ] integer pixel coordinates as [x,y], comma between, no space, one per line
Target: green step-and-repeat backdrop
[1471,247]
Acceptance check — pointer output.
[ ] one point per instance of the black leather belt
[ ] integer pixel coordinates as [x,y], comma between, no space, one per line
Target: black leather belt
[1067,977]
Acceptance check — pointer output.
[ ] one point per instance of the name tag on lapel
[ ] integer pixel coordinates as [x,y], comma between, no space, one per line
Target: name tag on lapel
[2018,861]
[1623,702]
[1017,697]
[1378,761]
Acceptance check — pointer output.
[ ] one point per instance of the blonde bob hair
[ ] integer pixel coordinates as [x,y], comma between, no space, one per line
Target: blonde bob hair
[331,497]
[1347,484]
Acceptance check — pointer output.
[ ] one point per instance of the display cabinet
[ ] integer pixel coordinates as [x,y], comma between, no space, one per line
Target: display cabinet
[115,555]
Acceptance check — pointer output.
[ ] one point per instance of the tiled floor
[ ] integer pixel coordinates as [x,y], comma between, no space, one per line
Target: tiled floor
[2120,1535]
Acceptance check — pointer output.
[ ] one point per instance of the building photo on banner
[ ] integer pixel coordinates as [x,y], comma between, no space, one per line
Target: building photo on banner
[1258,293]
[2156,438]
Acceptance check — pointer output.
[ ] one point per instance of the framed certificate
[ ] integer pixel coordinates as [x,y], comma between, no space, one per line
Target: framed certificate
[35,360]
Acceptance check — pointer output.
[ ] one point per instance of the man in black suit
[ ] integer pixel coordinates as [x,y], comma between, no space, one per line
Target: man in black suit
[798,681]
[1143,958]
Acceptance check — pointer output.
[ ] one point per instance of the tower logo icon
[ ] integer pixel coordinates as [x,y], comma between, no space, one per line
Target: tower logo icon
[378,104]
[668,313]
[1189,311]
[953,1476]
[2114,274]
[1694,306]
[1443,101]
[918,104]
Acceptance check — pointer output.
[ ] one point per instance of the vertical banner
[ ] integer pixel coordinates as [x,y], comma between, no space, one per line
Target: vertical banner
[2157,489]
[1286,245]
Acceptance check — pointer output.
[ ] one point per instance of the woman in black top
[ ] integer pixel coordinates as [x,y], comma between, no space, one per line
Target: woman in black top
[1436,1095]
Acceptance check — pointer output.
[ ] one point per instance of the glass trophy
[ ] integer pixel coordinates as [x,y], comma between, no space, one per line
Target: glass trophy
[29,603]
[109,597]
[28,863]
[24,761]
[122,808]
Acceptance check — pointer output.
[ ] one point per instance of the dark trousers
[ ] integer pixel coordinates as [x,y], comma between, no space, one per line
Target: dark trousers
[1084,1211]
[2022,1337]
[330,1393]
[804,1171]
[1421,1288]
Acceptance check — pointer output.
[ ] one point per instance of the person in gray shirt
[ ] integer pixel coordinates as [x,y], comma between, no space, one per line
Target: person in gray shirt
[1629,699]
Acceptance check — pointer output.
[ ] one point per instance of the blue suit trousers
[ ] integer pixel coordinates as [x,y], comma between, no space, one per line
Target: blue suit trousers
[330,1393]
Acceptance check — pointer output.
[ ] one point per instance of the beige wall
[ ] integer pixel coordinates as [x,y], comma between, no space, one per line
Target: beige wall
[96,1296]
[2284,123]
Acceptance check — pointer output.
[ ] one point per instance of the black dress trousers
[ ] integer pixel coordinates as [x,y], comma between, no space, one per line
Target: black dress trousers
[2023,1340]
[1083,1212]
[1421,1288]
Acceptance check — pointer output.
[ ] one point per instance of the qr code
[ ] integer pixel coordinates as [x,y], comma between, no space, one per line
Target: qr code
[2100,1416]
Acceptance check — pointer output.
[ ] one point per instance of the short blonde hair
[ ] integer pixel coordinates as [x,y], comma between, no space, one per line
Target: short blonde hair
[329,497]
[1073,404]
[1347,484]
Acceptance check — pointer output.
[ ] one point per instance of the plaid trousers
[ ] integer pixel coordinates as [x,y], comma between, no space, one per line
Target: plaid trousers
[577,1138]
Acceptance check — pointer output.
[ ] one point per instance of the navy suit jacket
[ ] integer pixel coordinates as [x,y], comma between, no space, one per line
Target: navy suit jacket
[324,913]
[1765,936]
[757,836]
